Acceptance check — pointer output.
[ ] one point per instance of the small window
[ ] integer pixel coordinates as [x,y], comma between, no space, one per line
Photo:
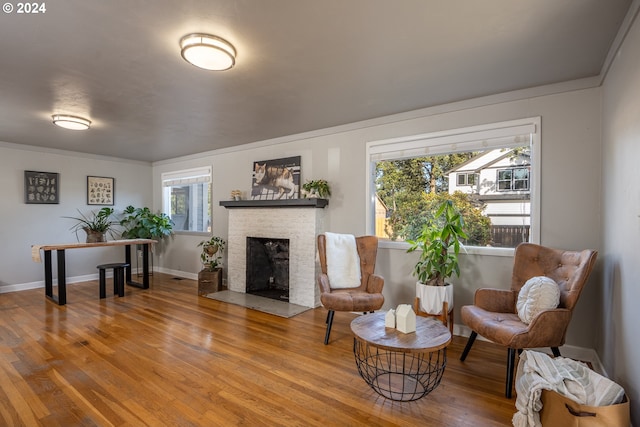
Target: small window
[515,179]
[466,179]
[187,199]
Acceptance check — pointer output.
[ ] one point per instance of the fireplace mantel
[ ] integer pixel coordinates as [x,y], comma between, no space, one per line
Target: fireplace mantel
[287,203]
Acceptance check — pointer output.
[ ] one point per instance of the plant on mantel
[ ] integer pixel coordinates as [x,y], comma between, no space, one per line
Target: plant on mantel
[316,188]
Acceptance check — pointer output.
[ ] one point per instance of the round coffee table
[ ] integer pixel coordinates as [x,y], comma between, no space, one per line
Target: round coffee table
[400,366]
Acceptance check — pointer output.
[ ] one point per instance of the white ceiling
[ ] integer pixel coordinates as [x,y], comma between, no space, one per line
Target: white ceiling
[302,65]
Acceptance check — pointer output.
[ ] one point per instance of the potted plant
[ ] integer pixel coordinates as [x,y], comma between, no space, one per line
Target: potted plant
[95,224]
[210,277]
[316,188]
[142,223]
[440,242]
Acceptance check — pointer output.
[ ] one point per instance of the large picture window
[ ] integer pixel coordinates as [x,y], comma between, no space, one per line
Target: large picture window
[187,199]
[485,170]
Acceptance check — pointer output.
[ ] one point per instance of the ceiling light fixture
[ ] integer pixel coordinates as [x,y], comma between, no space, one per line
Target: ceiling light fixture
[208,52]
[71,122]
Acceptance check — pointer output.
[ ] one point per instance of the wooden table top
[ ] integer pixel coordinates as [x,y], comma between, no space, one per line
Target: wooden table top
[35,249]
[430,335]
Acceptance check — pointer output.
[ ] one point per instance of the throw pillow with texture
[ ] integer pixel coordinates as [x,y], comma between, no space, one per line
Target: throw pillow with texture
[538,294]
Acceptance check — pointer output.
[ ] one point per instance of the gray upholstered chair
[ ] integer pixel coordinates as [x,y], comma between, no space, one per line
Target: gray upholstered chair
[494,315]
[366,298]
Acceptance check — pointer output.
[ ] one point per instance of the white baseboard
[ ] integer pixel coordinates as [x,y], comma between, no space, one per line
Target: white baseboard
[570,351]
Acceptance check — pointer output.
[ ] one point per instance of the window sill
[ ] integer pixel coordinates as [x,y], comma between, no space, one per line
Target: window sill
[467,250]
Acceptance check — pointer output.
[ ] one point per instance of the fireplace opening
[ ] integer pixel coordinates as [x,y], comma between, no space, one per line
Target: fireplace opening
[268,267]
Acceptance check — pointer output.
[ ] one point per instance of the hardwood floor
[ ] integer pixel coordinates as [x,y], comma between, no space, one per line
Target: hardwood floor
[165,356]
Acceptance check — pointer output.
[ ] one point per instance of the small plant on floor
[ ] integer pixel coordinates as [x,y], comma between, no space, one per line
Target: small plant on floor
[211,255]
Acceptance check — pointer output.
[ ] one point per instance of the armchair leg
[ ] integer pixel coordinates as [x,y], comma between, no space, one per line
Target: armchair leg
[329,323]
[511,360]
[556,351]
[470,342]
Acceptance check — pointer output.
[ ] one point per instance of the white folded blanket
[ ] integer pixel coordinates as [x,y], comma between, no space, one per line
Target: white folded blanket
[343,262]
[538,371]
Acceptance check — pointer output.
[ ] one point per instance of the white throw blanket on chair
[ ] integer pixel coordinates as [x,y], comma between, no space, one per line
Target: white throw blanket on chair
[538,371]
[343,262]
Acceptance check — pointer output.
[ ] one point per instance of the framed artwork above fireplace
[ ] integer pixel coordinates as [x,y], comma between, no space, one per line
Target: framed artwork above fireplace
[276,179]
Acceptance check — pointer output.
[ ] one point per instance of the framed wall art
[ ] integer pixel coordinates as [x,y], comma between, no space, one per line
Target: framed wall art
[276,179]
[100,190]
[41,187]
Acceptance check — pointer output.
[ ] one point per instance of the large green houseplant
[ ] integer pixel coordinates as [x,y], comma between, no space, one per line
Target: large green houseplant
[95,224]
[210,277]
[142,223]
[439,242]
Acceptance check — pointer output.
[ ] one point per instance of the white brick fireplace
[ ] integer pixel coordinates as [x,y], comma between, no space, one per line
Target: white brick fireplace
[298,221]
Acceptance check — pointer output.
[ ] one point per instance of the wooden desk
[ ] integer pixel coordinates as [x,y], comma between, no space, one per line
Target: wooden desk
[400,366]
[61,298]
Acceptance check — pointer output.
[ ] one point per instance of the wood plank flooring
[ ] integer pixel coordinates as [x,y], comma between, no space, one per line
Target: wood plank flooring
[166,357]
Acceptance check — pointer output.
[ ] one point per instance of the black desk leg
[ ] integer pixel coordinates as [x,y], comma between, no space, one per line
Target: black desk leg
[127,259]
[48,275]
[62,279]
[145,266]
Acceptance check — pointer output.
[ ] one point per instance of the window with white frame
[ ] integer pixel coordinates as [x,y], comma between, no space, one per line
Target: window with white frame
[186,198]
[488,171]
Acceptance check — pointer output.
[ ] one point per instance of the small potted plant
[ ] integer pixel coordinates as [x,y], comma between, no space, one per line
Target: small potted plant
[210,277]
[440,242]
[95,224]
[318,188]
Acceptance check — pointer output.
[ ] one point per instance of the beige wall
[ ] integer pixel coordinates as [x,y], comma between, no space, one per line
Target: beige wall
[570,184]
[618,345]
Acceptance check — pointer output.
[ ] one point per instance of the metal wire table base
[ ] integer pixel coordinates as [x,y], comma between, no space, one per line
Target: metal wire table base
[397,375]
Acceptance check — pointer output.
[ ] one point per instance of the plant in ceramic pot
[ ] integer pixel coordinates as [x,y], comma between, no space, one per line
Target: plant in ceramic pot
[316,188]
[95,224]
[210,277]
[440,242]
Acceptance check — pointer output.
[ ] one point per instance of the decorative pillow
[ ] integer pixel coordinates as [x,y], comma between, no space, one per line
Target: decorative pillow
[538,294]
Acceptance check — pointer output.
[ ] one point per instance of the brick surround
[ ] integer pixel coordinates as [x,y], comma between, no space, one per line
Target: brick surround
[299,225]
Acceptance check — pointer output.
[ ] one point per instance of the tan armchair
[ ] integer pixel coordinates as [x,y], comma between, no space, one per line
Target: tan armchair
[494,314]
[366,298]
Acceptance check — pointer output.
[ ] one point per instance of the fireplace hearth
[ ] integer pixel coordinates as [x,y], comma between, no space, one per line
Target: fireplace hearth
[268,267]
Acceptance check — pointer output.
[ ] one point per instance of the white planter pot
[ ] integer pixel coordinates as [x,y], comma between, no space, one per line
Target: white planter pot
[432,297]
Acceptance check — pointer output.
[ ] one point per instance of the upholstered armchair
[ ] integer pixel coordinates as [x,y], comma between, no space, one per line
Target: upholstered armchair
[365,296]
[494,314]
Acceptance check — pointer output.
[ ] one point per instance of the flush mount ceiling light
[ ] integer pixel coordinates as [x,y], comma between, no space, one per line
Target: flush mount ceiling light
[208,52]
[71,122]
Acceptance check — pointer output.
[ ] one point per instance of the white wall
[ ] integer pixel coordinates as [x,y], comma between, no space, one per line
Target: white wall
[618,344]
[570,186]
[23,225]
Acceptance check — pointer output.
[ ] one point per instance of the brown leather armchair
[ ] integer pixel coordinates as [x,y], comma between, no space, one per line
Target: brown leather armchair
[494,314]
[366,298]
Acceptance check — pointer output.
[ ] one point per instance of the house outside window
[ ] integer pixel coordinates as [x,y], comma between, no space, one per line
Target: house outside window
[186,198]
[488,171]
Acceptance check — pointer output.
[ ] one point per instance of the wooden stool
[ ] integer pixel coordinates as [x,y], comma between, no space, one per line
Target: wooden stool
[118,278]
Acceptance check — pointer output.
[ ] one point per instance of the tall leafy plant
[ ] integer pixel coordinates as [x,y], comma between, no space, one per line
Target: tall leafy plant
[440,243]
[142,223]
